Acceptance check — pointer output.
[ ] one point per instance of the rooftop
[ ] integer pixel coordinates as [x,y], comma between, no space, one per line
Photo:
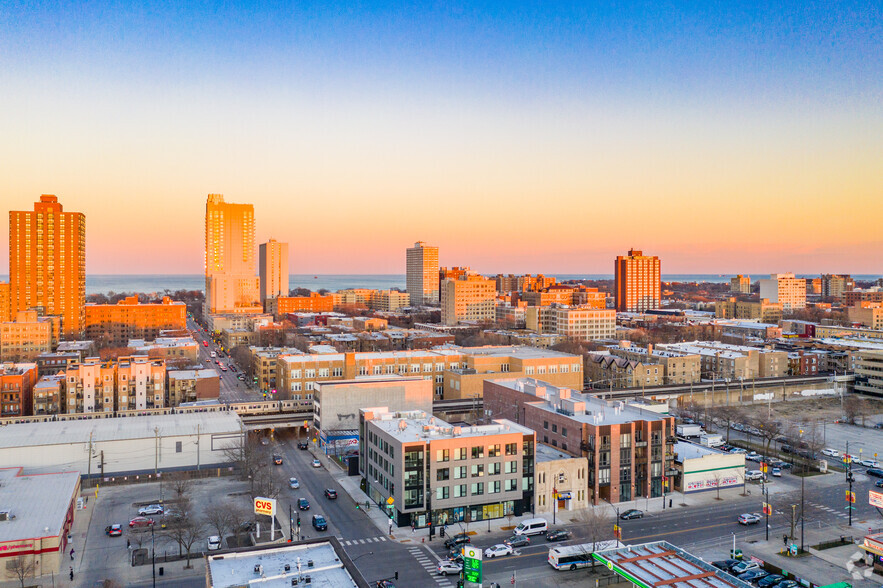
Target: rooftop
[75,346]
[192,374]
[117,429]
[685,450]
[324,561]
[548,453]
[417,424]
[38,502]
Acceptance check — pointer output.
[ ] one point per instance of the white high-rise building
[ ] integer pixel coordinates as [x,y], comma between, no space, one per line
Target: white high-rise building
[784,289]
[422,274]
[273,269]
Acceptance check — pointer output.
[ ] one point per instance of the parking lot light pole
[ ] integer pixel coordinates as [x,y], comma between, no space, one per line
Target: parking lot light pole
[153,554]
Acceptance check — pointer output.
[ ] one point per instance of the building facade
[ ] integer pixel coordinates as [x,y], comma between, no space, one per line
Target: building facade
[869,314]
[637,279]
[49,395]
[273,270]
[442,474]
[784,289]
[231,285]
[421,275]
[114,324]
[471,298]
[17,382]
[572,323]
[559,481]
[869,371]
[315,302]
[47,263]
[27,336]
[834,285]
[740,284]
[129,383]
[5,302]
[193,386]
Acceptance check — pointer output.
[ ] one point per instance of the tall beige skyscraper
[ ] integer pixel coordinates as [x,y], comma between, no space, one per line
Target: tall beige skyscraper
[273,269]
[231,285]
[47,263]
[422,274]
[637,282]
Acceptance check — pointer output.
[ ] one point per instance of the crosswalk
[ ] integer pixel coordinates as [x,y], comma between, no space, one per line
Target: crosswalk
[363,541]
[833,511]
[423,558]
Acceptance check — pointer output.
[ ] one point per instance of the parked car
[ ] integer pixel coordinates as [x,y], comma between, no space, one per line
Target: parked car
[753,575]
[303,504]
[319,523]
[140,522]
[447,566]
[787,584]
[316,463]
[753,456]
[744,566]
[330,494]
[879,483]
[302,445]
[770,580]
[830,452]
[151,509]
[632,513]
[559,535]
[787,449]
[748,518]
[114,530]
[293,483]
[754,475]
[869,463]
[725,564]
[777,473]
[498,549]
[738,450]
[878,426]
[518,541]
[277,459]
[213,543]
[877,473]
[457,540]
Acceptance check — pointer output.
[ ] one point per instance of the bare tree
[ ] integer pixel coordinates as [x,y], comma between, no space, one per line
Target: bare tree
[853,408]
[595,522]
[138,535]
[22,567]
[768,429]
[182,487]
[718,478]
[727,416]
[185,531]
[221,519]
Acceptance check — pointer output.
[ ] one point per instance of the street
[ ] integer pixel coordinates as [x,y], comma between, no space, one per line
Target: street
[232,389]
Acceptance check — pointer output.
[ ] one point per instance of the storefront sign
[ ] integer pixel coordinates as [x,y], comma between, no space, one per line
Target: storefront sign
[472,566]
[875,498]
[265,506]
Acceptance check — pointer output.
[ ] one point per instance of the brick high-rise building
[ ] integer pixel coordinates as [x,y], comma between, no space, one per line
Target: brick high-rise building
[47,262]
[834,285]
[637,282]
[115,324]
[231,285]
[422,274]
[273,269]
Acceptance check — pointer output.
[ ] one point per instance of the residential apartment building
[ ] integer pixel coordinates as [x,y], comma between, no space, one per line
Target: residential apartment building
[442,474]
[129,383]
[525,283]
[471,298]
[605,371]
[52,363]
[567,295]
[315,302]
[231,286]
[784,289]
[453,273]
[5,302]
[421,275]
[869,314]
[49,395]
[273,270]
[573,323]
[47,263]
[740,284]
[16,388]
[733,362]
[869,371]
[27,336]
[677,368]
[183,349]
[114,324]
[637,279]
[853,297]
[263,364]
[193,386]
[385,300]
[834,285]
[763,310]
[630,451]
[248,322]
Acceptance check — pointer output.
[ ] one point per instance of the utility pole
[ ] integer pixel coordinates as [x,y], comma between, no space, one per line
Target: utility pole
[849,480]
[197,448]
[155,450]
[793,508]
[767,509]
[89,471]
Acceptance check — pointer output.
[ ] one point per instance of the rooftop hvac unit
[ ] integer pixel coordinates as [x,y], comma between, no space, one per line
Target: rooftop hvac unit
[6,515]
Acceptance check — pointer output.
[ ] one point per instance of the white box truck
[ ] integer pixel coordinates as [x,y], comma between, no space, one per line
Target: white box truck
[688,430]
[711,440]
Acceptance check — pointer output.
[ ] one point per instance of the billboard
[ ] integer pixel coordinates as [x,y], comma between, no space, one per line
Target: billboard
[264,506]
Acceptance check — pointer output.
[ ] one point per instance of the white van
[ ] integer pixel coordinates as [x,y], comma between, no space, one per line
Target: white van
[532,527]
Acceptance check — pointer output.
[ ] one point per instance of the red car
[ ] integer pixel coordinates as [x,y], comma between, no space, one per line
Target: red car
[140,522]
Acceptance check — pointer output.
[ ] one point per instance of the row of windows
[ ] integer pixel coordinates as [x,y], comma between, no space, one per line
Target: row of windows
[477,489]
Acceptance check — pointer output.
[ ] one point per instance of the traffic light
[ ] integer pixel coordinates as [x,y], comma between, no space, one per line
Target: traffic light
[397,574]
[441,532]
[357,506]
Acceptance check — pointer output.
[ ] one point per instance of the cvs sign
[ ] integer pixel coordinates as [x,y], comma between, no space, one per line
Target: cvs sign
[264,506]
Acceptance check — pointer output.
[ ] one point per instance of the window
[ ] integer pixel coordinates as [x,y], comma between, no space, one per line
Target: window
[443,474]
[178,447]
[546,425]
[337,372]
[493,451]
[511,448]
[554,428]
[310,373]
[460,491]
[511,485]
[442,455]
[323,372]
[477,470]
[459,472]
[442,492]
[478,452]
[604,476]
[460,454]
[511,467]
[564,431]
[494,468]
[477,489]
[493,487]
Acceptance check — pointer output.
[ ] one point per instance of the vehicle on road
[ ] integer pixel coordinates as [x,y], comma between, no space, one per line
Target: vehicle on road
[877,473]
[748,518]
[632,513]
[205,343]
[532,527]
[499,549]
[752,475]
[517,541]
[213,543]
[558,535]
[316,463]
[879,483]
[830,452]
[114,530]
[293,483]
[151,509]
[265,441]
[777,473]
[571,557]
[447,566]
[302,445]
[277,459]
[330,494]
[303,504]
[869,463]
[787,584]
[140,522]
[213,354]
[744,566]
[319,523]
[457,540]
[385,584]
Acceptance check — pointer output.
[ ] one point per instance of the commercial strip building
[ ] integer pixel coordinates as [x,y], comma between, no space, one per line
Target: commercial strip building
[114,324]
[580,323]
[231,286]
[36,516]
[629,449]
[47,263]
[637,279]
[110,447]
[784,289]
[421,274]
[320,562]
[336,406]
[560,481]
[442,474]
[129,383]
[470,298]
[702,469]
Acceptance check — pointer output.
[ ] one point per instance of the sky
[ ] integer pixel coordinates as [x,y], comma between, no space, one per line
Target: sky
[517,137]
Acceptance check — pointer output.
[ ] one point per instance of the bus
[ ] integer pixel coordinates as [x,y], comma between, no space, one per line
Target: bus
[571,557]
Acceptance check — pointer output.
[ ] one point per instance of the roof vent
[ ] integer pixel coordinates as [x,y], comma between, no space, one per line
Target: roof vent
[6,515]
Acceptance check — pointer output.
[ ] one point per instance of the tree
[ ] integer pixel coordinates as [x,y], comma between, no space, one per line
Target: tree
[221,519]
[253,462]
[595,523]
[718,478]
[768,428]
[185,531]
[22,568]
[726,416]
[853,408]
[138,535]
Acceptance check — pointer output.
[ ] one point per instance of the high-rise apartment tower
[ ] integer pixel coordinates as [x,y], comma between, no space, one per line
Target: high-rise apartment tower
[637,286]
[231,285]
[422,274]
[273,269]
